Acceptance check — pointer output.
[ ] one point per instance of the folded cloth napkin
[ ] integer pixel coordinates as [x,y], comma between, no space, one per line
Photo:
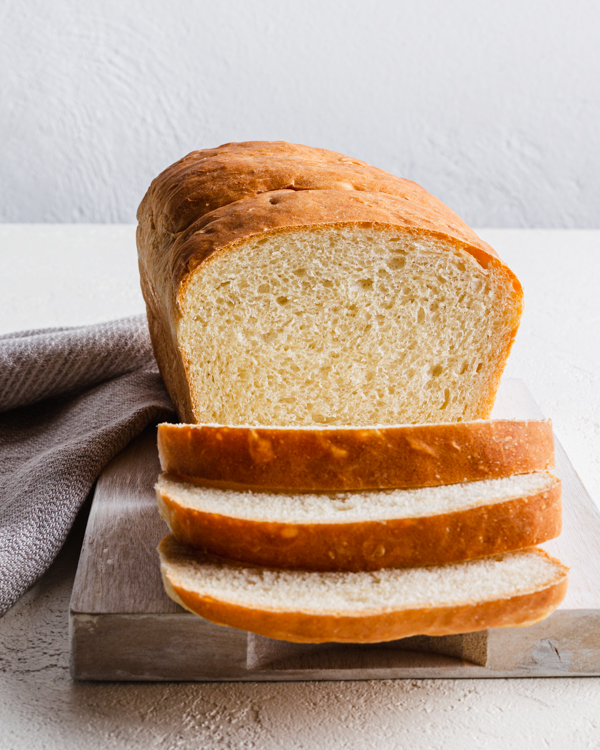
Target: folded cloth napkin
[70,400]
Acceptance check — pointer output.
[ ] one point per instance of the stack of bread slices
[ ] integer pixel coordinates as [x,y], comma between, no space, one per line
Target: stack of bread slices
[263,540]
[333,337]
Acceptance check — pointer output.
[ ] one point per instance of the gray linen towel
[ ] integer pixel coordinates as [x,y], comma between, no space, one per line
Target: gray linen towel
[71,399]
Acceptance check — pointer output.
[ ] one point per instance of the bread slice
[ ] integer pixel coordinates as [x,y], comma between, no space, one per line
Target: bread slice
[510,590]
[291,286]
[347,458]
[364,530]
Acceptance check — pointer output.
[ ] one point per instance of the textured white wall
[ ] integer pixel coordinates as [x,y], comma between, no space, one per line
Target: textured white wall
[492,106]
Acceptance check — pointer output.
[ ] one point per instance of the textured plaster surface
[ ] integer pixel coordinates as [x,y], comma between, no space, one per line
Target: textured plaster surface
[70,275]
[493,107]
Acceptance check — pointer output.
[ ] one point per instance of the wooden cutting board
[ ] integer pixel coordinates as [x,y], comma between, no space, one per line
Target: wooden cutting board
[124,627]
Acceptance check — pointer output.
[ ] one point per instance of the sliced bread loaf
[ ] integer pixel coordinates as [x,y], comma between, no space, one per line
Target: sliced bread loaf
[293,286]
[511,590]
[348,458]
[364,530]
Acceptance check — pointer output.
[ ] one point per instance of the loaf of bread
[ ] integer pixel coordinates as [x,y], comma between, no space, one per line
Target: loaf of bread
[303,304]
[364,530]
[295,286]
[511,590]
[350,458]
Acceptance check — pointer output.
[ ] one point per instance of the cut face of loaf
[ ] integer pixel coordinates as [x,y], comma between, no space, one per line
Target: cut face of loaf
[510,590]
[364,530]
[344,326]
[352,458]
[353,301]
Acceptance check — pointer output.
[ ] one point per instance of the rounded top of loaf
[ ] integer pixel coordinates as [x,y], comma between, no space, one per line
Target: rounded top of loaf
[211,178]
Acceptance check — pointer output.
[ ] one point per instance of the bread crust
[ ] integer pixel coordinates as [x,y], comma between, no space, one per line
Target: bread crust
[371,545]
[375,626]
[166,352]
[336,459]
[300,627]
[211,178]
[211,202]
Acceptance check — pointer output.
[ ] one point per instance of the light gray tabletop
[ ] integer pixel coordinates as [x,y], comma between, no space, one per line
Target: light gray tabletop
[70,275]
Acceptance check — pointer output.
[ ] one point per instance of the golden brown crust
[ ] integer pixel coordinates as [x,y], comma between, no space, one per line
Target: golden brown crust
[304,627]
[206,180]
[166,352]
[371,545]
[326,459]
[300,627]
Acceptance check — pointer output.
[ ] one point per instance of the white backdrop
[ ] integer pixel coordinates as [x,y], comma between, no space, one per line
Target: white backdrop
[493,106]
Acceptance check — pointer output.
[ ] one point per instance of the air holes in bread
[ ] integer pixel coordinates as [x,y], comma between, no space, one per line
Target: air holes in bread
[396,263]
[338,318]
[446,398]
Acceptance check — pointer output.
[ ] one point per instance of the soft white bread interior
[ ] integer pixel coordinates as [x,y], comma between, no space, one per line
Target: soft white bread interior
[510,590]
[293,286]
[364,530]
[344,325]
[352,507]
